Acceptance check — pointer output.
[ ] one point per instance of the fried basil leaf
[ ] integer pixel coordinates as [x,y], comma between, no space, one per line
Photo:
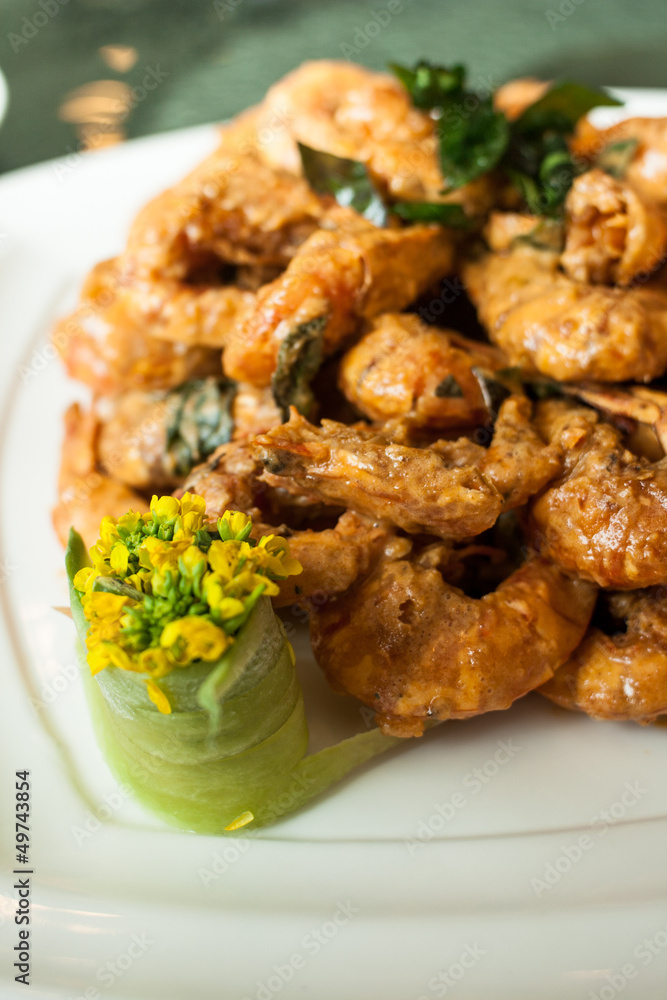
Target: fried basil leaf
[449,388]
[299,358]
[431,86]
[199,421]
[494,392]
[445,213]
[547,234]
[471,144]
[347,180]
[561,107]
[617,157]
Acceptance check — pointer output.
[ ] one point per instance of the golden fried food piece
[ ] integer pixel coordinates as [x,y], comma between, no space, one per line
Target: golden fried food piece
[621,676]
[152,440]
[413,647]
[145,335]
[454,489]
[85,495]
[332,558]
[358,114]
[613,232]
[546,322]
[605,518]
[340,276]
[232,207]
[516,95]
[647,169]
[403,368]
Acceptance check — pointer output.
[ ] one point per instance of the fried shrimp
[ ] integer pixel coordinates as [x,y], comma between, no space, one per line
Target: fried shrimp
[613,232]
[141,336]
[647,166]
[622,676]
[403,368]
[353,112]
[340,276]
[332,557]
[454,489]
[86,495]
[546,322]
[413,647]
[605,518]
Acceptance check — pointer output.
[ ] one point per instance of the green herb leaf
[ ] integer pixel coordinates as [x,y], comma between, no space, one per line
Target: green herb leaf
[299,358]
[431,86]
[617,157]
[449,388]
[347,180]
[547,234]
[472,144]
[445,213]
[561,108]
[199,421]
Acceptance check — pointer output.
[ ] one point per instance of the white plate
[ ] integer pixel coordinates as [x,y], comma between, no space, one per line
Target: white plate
[416,878]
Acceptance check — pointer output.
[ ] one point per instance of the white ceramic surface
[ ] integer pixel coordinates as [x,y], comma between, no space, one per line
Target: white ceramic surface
[453,867]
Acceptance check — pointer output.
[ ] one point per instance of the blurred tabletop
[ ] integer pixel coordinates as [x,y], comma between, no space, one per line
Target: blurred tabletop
[84,74]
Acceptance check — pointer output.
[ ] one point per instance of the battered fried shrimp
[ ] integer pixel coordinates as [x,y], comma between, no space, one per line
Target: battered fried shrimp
[361,115]
[142,336]
[413,647]
[403,368]
[233,208]
[152,440]
[605,518]
[621,676]
[647,167]
[455,489]
[546,322]
[340,276]
[85,495]
[332,558]
[613,233]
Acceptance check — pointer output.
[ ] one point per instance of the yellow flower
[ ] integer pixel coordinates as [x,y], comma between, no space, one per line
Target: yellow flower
[233,525]
[109,654]
[193,516]
[85,578]
[155,662]
[119,558]
[165,509]
[192,563]
[280,563]
[158,697]
[194,638]
[224,557]
[161,555]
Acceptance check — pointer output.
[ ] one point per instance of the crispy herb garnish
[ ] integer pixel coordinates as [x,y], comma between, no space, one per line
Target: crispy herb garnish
[299,358]
[347,180]
[352,186]
[199,421]
[547,234]
[617,157]
[531,151]
[449,388]
[493,391]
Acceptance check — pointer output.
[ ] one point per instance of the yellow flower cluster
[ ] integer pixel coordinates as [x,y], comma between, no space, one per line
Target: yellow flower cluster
[168,588]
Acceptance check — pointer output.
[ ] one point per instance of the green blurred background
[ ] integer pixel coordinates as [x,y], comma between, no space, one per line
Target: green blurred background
[204,60]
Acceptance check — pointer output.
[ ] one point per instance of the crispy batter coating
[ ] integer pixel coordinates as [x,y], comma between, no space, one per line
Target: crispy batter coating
[546,322]
[413,647]
[332,558]
[342,274]
[454,489]
[403,368]
[647,171]
[613,232]
[232,207]
[145,335]
[621,676]
[605,519]
[85,495]
[362,115]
